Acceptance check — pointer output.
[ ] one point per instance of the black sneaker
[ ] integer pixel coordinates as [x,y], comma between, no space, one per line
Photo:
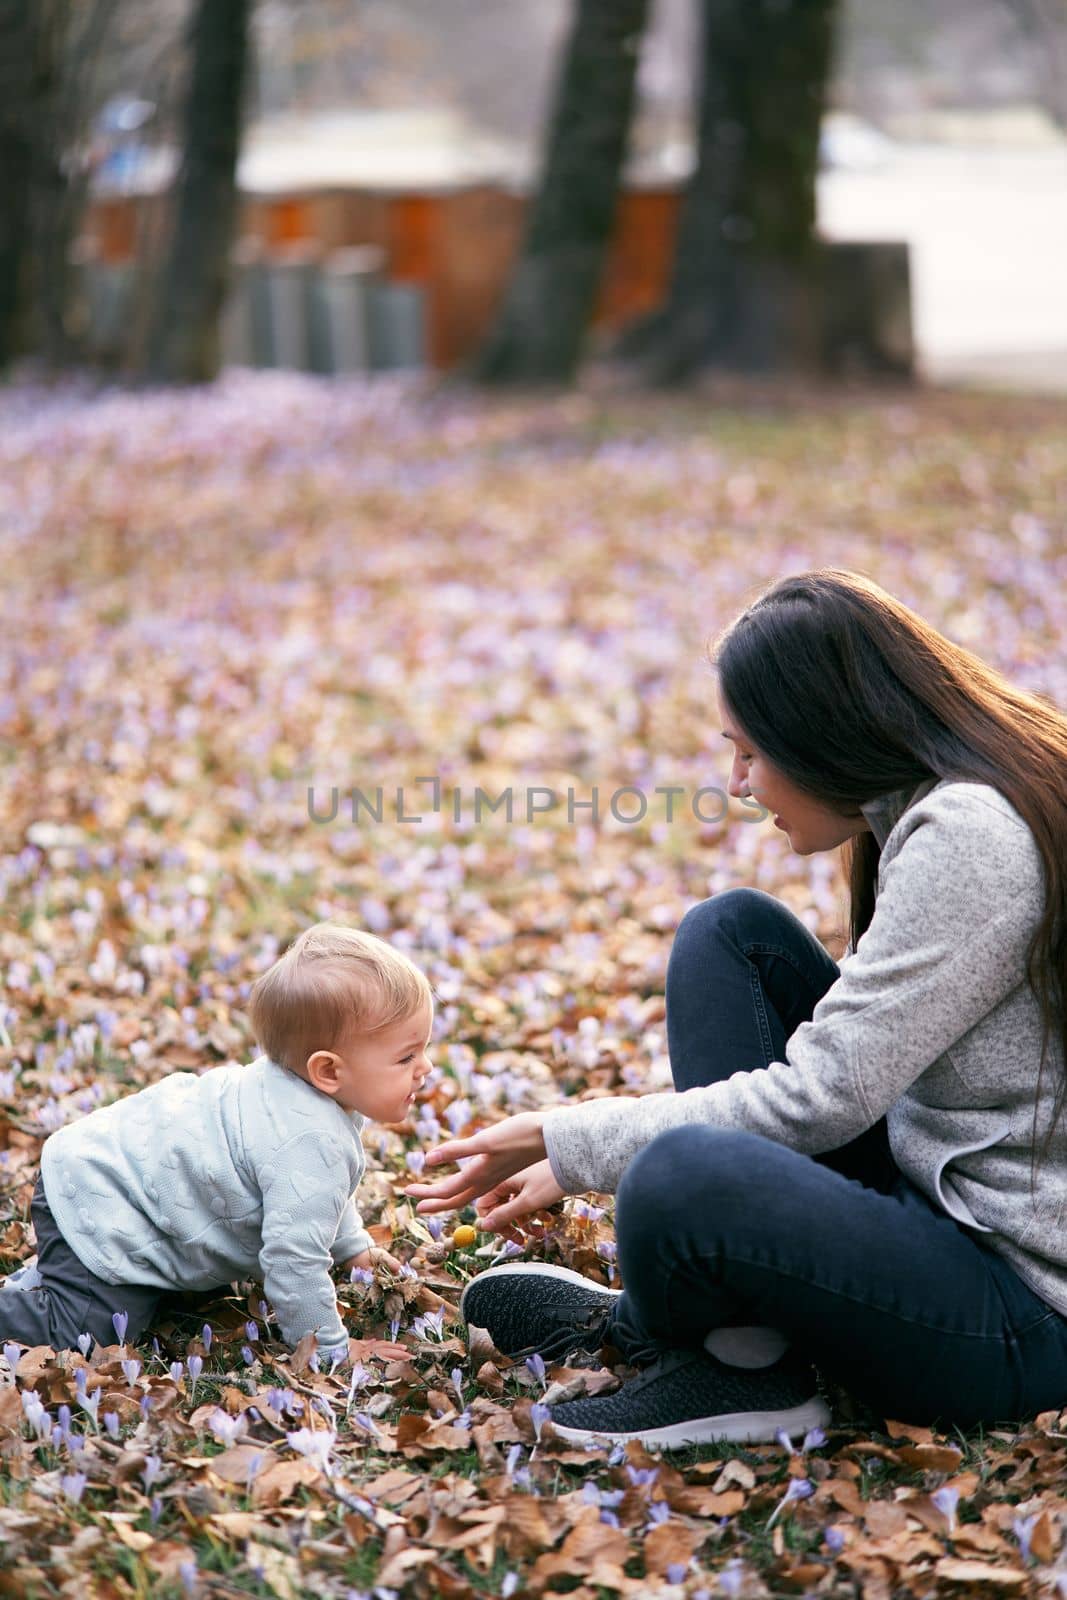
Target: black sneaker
[531,1308]
[688,1397]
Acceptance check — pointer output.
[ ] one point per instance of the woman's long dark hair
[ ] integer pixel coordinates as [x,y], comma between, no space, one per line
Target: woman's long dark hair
[850,694]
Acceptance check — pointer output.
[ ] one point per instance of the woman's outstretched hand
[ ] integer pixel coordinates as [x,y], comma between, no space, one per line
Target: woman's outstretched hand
[495,1154]
[535,1189]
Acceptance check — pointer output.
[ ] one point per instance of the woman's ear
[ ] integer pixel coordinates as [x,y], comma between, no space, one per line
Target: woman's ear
[323,1071]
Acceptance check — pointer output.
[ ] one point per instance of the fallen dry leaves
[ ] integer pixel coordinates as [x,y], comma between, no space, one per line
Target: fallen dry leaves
[218,603]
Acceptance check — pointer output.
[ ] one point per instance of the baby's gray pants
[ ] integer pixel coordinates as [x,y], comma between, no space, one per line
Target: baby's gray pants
[71,1300]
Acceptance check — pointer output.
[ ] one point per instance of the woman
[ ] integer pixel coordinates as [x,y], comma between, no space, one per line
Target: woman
[863,1165]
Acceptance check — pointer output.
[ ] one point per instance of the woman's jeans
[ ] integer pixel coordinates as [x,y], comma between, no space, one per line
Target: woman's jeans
[911,1312]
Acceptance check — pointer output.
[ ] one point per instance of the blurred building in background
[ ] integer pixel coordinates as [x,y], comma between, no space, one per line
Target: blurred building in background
[391,147]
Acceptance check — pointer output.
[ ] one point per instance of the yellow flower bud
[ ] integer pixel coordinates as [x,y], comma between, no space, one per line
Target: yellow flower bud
[464,1235]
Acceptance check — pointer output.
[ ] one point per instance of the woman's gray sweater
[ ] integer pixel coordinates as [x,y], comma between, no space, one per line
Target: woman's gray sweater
[931,1023]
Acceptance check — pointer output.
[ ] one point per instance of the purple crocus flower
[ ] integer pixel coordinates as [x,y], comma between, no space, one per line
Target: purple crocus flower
[90,1402]
[539,1415]
[457,1115]
[798,1489]
[732,1577]
[432,1323]
[1023,1528]
[120,1322]
[946,1501]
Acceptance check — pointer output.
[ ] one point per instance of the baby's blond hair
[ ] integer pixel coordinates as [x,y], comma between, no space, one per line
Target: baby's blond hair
[331,984]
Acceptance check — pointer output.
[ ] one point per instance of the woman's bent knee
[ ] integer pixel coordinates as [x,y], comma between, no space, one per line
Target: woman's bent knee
[744,913]
[692,1165]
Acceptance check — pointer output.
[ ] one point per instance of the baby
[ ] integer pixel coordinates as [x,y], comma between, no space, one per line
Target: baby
[245,1171]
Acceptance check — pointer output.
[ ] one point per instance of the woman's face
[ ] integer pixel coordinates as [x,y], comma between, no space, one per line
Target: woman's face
[809,826]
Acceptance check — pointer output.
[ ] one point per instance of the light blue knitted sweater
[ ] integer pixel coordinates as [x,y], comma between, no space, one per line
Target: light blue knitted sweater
[245,1171]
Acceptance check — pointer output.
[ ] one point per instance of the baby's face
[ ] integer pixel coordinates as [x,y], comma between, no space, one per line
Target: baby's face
[380,1073]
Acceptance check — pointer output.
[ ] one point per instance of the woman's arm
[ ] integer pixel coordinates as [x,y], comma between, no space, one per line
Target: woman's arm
[948,941]
[956,910]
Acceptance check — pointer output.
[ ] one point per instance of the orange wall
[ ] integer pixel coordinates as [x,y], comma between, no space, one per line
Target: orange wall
[459,245]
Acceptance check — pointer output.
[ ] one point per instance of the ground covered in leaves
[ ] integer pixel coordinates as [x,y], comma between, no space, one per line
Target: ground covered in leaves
[265,647]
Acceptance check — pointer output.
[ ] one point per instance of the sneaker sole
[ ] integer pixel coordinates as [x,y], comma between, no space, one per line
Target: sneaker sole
[744,1427]
[532,1269]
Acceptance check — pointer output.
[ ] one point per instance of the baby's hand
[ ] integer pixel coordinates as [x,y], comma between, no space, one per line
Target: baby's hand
[374,1257]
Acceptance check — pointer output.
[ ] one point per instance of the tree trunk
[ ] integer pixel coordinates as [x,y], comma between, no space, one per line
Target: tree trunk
[541,327]
[183,345]
[16,120]
[743,291]
[1044,22]
[36,217]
